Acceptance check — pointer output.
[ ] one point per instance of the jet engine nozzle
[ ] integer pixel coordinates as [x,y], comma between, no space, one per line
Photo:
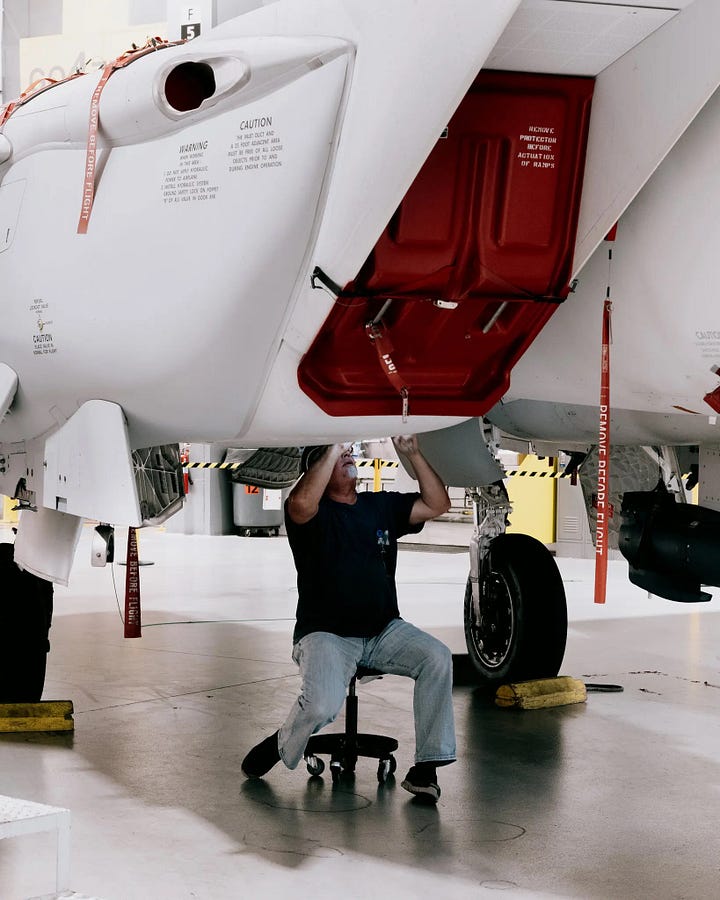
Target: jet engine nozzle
[672,547]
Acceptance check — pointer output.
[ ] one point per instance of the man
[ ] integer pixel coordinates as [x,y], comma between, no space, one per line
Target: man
[345,549]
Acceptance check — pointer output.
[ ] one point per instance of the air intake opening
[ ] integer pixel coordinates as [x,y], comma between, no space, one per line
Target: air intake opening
[188,85]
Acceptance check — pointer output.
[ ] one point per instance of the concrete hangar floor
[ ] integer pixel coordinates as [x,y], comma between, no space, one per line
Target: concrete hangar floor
[616,798]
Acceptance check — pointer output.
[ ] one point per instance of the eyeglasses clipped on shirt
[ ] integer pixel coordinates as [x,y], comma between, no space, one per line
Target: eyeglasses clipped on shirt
[383,542]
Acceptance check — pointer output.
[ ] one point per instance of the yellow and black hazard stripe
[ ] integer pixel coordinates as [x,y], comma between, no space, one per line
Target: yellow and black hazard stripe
[529,473]
[361,463]
[211,465]
[384,463]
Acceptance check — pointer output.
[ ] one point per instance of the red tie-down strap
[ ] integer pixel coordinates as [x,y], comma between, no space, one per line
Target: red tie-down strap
[32,91]
[133,625]
[123,60]
[603,505]
[379,336]
[603,482]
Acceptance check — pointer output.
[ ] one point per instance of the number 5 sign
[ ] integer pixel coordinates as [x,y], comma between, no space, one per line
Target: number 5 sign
[190,31]
[188,20]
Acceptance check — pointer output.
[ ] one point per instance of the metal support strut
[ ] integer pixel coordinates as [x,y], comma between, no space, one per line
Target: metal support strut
[491,508]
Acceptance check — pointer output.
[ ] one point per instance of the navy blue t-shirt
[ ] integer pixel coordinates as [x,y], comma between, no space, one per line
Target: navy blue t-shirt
[345,558]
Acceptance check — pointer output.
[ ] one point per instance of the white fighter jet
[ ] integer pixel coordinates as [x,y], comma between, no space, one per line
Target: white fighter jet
[338,219]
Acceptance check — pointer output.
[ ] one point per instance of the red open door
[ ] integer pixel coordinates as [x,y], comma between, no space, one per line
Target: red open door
[475,259]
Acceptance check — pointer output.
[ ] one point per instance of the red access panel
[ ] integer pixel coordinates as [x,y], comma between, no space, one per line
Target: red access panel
[473,263]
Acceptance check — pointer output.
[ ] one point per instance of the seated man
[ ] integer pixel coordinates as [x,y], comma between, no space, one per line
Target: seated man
[345,549]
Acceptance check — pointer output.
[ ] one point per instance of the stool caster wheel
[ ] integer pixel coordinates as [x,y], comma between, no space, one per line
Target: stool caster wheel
[335,770]
[386,767]
[315,765]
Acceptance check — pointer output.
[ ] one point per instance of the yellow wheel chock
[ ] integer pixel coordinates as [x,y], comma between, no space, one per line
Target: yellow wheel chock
[541,693]
[46,715]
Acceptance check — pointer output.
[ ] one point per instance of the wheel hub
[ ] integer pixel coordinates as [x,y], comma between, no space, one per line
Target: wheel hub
[492,633]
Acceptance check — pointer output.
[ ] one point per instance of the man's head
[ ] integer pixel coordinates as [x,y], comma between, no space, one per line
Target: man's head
[344,473]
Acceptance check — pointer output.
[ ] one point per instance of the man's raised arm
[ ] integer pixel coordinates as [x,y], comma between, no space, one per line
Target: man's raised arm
[433,500]
[304,499]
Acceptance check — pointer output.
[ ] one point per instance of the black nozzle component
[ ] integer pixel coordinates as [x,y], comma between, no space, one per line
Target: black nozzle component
[672,547]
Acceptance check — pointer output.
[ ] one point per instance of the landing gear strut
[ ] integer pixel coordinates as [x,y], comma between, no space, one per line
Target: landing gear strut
[515,613]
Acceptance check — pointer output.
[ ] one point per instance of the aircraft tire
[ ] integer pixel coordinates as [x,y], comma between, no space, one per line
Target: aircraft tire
[27,607]
[523,626]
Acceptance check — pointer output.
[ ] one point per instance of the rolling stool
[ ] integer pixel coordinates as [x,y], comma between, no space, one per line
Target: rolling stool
[345,748]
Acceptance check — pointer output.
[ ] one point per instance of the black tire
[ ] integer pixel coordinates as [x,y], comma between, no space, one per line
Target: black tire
[522,630]
[27,616]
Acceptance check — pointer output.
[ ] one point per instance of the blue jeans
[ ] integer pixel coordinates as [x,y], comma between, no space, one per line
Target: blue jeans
[327,663]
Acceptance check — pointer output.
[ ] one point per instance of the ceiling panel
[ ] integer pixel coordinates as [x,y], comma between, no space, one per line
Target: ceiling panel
[574,37]
[651,4]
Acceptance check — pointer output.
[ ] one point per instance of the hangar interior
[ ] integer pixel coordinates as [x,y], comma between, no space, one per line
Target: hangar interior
[615,797]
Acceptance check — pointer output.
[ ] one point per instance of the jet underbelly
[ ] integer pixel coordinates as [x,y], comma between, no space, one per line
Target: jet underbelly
[665,336]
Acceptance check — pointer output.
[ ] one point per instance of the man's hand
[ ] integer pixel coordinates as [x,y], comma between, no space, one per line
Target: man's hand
[406,444]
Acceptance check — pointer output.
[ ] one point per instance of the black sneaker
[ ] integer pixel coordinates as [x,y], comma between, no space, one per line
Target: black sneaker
[422,782]
[261,758]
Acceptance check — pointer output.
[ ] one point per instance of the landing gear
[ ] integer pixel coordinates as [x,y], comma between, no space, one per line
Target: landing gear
[516,626]
[27,616]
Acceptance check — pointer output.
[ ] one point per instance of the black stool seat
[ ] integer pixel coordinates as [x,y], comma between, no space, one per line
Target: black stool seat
[346,747]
